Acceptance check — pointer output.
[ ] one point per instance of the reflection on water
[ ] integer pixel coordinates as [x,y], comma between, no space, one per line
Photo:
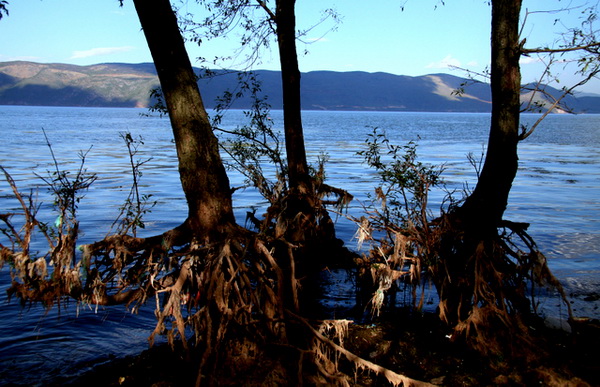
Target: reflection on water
[38,344]
[556,190]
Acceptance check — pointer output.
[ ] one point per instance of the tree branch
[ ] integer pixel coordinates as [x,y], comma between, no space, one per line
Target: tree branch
[566,92]
[264,6]
[592,47]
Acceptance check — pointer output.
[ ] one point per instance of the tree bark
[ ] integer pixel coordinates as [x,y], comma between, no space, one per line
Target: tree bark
[468,245]
[299,179]
[203,176]
[486,205]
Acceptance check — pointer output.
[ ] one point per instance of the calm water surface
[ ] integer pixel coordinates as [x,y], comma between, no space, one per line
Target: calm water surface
[557,190]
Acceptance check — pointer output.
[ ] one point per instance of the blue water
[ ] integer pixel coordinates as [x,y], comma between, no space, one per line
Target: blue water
[557,190]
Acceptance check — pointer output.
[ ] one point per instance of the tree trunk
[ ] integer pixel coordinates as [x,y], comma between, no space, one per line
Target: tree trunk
[485,207]
[201,170]
[292,118]
[468,248]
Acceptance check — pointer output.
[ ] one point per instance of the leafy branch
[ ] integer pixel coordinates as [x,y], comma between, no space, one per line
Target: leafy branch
[254,144]
[67,190]
[136,205]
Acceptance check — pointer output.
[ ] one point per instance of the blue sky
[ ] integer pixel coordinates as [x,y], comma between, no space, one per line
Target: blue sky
[426,37]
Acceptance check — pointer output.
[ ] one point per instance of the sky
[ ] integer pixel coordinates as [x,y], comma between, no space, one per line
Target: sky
[404,37]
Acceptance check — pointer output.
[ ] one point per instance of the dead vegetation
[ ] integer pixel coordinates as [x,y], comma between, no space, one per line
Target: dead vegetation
[229,298]
[230,302]
[222,300]
[487,280]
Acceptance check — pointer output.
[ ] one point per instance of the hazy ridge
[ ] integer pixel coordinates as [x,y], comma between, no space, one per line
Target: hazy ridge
[129,85]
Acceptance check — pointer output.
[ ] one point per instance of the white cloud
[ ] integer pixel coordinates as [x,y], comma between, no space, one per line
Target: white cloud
[100,51]
[446,63]
[529,60]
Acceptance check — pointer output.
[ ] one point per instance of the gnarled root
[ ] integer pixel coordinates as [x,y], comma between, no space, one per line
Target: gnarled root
[487,286]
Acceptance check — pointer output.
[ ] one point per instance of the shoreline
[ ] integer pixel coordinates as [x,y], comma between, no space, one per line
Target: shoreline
[417,350]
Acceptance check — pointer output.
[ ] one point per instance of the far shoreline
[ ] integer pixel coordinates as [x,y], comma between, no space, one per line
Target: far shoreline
[211,109]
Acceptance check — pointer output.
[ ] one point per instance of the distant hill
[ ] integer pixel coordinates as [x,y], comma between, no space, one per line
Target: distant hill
[129,85]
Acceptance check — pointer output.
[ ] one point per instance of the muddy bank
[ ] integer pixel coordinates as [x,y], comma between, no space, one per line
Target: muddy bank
[415,346]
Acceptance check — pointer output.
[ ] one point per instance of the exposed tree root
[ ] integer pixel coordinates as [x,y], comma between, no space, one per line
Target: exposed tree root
[230,293]
[488,284]
[228,297]
[220,293]
[487,276]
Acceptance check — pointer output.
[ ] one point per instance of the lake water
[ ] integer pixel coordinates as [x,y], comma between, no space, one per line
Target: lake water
[557,190]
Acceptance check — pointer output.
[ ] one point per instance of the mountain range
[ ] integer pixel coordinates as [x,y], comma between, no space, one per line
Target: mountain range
[129,85]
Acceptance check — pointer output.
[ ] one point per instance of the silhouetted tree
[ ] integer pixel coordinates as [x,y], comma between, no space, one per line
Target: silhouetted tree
[486,205]
[487,266]
[481,214]
[285,15]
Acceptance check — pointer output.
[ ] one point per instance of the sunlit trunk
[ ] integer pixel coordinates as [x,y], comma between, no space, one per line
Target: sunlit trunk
[468,246]
[201,170]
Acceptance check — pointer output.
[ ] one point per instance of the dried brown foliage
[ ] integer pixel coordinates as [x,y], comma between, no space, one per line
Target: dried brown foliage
[224,301]
[487,282]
